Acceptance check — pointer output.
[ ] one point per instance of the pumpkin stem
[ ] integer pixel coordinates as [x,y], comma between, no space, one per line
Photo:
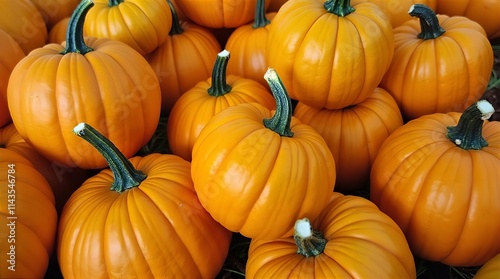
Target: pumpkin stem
[280,122]
[309,242]
[468,134]
[125,175]
[74,32]
[260,19]
[339,7]
[176,28]
[219,85]
[429,23]
[113,3]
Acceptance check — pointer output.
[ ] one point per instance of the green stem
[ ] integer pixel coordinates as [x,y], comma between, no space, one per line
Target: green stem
[219,85]
[74,32]
[176,28]
[260,19]
[468,133]
[125,175]
[113,3]
[309,242]
[429,23]
[339,7]
[280,122]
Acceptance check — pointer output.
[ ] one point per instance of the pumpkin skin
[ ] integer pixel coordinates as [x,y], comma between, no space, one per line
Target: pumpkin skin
[484,12]
[361,241]
[111,87]
[443,196]
[11,54]
[330,61]
[490,270]
[441,74]
[36,222]
[398,10]
[141,24]
[354,135]
[157,229]
[57,34]
[55,10]
[24,23]
[275,5]
[270,177]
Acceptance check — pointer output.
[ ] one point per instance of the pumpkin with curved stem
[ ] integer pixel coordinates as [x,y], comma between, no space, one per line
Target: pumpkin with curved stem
[197,106]
[490,270]
[184,59]
[149,224]
[354,135]
[440,64]
[437,177]
[101,81]
[141,24]
[351,238]
[330,54]
[398,10]
[256,172]
[28,218]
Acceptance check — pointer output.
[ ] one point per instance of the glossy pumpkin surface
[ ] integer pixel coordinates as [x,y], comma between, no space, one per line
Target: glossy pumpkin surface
[354,135]
[360,241]
[398,9]
[110,86]
[444,67]
[490,270]
[28,218]
[57,34]
[330,54]
[444,196]
[257,178]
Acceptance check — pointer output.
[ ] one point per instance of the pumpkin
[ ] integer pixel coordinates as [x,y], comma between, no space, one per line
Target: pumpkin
[490,270]
[207,98]
[248,46]
[57,34]
[351,238]
[11,54]
[440,64]
[437,177]
[256,171]
[55,10]
[141,24]
[183,60]
[22,20]
[484,12]
[219,13]
[330,54]
[398,10]
[62,179]
[101,81]
[275,5]
[28,218]
[354,135]
[149,224]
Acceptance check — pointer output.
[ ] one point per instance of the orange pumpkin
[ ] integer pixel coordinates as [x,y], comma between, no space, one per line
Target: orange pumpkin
[207,98]
[354,135]
[184,59]
[351,238]
[440,64]
[490,270]
[55,10]
[149,224]
[256,172]
[436,177]
[398,10]
[330,54]
[28,218]
[141,24]
[275,5]
[10,54]
[101,81]
[57,34]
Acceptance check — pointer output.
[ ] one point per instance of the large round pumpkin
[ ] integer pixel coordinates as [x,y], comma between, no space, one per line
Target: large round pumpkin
[101,81]
[437,177]
[150,224]
[351,238]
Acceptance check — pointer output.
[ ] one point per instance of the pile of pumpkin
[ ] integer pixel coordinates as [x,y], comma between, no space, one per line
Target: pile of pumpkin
[276,110]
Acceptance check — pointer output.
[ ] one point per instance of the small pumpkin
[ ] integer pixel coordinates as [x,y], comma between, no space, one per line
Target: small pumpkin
[207,98]
[330,54]
[256,172]
[490,270]
[141,24]
[101,81]
[149,224]
[55,10]
[351,238]
[440,64]
[57,34]
[436,177]
[28,218]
